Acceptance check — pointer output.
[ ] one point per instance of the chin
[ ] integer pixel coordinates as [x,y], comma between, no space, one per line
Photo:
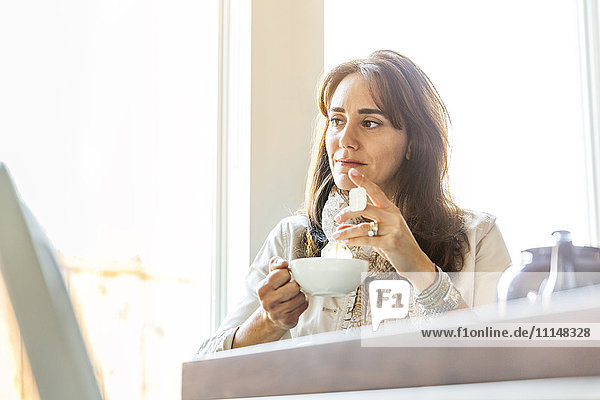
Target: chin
[343,182]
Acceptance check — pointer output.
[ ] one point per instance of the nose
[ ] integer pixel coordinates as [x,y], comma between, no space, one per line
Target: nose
[348,138]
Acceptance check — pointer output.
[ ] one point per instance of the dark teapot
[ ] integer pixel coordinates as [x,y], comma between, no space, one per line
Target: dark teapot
[545,270]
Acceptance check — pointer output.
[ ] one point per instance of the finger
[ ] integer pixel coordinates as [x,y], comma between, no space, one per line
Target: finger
[277,278]
[297,302]
[371,212]
[373,241]
[353,231]
[287,291]
[377,196]
[300,308]
[277,263]
[344,226]
[287,306]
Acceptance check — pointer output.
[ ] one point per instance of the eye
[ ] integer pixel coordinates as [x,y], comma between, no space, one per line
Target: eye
[335,121]
[370,124]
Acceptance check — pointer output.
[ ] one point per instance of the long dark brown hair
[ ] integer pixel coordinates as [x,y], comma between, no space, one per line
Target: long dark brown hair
[410,101]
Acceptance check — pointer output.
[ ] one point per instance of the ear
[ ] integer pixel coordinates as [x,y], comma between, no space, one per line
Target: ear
[408,151]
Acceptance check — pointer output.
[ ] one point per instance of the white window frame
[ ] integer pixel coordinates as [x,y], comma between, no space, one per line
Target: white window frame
[589,40]
[232,194]
[270,61]
[219,263]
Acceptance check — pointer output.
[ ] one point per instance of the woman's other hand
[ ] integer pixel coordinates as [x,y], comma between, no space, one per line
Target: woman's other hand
[281,298]
[281,303]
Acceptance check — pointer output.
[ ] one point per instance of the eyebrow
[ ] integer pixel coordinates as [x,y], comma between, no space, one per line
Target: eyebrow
[361,111]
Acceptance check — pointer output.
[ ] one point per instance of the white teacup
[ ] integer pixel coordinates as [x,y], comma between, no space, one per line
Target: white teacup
[328,277]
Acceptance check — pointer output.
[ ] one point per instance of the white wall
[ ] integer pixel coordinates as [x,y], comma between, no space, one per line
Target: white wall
[287,62]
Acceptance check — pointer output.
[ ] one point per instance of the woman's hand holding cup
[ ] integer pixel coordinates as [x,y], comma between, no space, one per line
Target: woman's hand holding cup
[280,297]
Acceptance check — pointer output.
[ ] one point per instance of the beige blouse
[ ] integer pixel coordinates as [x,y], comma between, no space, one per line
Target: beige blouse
[486,258]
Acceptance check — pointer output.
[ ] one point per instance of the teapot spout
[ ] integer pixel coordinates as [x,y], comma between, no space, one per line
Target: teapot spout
[562,271]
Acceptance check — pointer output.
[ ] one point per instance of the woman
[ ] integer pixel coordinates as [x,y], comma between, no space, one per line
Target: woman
[386,131]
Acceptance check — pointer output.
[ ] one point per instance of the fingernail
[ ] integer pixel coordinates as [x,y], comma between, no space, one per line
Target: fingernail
[337,218]
[335,235]
[354,173]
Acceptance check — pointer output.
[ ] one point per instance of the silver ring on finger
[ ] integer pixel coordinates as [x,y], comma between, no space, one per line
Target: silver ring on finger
[373,228]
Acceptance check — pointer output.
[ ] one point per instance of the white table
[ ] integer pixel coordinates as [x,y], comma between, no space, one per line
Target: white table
[534,389]
[334,365]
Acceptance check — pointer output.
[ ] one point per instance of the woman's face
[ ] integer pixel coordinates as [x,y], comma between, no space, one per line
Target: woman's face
[360,136]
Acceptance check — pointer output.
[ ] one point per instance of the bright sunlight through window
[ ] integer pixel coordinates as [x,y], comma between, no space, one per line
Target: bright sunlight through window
[509,73]
[108,125]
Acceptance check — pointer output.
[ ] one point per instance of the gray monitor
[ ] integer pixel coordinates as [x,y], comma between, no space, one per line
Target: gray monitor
[43,308]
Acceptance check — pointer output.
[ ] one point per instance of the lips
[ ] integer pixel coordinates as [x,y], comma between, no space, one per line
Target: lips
[348,162]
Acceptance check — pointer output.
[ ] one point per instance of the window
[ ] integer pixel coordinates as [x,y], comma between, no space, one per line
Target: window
[509,73]
[108,120]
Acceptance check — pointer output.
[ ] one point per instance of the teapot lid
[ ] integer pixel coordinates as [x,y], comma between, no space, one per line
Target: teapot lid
[562,236]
